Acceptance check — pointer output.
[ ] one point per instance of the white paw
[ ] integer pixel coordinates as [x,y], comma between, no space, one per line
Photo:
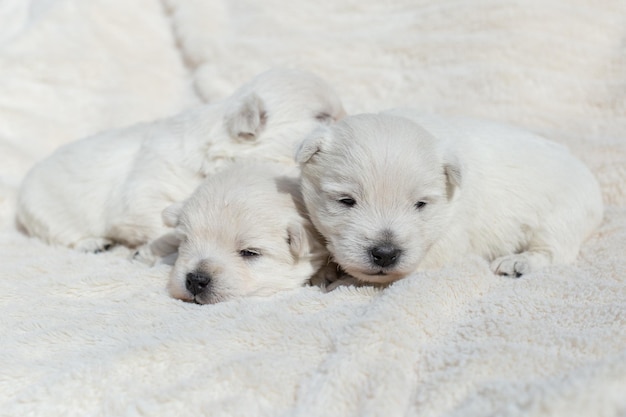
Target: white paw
[331,276]
[145,255]
[511,265]
[325,275]
[346,280]
[93,245]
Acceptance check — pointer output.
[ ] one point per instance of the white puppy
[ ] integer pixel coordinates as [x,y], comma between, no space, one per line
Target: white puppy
[403,191]
[112,187]
[243,232]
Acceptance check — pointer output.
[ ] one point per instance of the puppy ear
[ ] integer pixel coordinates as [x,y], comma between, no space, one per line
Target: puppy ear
[247,118]
[166,244]
[171,214]
[297,239]
[312,144]
[453,171]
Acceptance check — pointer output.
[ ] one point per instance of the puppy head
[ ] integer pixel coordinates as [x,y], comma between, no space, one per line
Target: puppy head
[379,188]
[278,108]
[242,233]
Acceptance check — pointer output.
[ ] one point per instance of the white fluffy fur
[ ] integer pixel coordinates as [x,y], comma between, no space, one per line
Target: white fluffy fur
[112,187]
[243,232]
[429,190]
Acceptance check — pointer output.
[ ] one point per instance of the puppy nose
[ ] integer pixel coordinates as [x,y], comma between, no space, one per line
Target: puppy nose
[385,255]
[197,282]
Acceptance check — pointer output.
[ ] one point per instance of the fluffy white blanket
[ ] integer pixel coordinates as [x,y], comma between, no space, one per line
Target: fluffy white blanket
[85,334]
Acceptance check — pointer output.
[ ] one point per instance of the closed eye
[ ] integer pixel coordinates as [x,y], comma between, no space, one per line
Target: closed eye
[323,117]
[249,253]
[347,201]
[420,205]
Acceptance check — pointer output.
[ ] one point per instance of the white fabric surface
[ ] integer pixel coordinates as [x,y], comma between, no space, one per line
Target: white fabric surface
[85,334]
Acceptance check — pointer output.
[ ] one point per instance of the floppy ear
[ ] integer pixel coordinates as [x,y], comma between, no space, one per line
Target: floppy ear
[297,239]
[453,171]
[312,144]
[166,244]
[246,120]
[171,214]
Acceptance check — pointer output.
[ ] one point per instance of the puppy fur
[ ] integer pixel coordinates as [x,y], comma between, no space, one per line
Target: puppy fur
[243,232]
[112,187]
[402,191]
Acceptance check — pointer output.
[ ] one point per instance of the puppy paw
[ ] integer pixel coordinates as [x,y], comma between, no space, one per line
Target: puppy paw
[325,275]
[345,280]
[511,265]
[145,255]
[331,276]
[93,245]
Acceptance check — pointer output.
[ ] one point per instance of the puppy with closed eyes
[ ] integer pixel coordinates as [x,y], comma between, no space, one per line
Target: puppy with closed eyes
[403,191]
[112,187]
[243,232]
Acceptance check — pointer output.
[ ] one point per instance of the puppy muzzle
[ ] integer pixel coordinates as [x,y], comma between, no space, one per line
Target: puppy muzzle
[198,282]
[384,255]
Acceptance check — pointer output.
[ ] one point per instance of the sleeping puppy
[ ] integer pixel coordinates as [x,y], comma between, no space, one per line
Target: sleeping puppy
[243,232]
[112,187]
[399,192]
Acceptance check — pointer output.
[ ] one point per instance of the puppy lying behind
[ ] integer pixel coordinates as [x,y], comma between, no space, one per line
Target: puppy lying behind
[243,232]
[112,187]
[402,191]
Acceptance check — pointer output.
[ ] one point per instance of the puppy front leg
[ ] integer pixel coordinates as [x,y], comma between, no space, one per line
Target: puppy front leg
[345,281]
[93,245]
[331,276]
[518,264]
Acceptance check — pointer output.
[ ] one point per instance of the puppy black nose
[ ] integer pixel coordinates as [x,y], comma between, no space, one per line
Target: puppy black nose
[385,255]
[197,282]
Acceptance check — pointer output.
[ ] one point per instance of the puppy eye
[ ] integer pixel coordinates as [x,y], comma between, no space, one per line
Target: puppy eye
[420,205]
[323,117]
[249,253]
[347,201]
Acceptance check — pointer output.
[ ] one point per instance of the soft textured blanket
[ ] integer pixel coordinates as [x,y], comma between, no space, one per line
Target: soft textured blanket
[87,335]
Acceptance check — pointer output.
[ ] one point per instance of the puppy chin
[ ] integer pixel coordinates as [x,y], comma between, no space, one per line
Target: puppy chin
[374,276]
